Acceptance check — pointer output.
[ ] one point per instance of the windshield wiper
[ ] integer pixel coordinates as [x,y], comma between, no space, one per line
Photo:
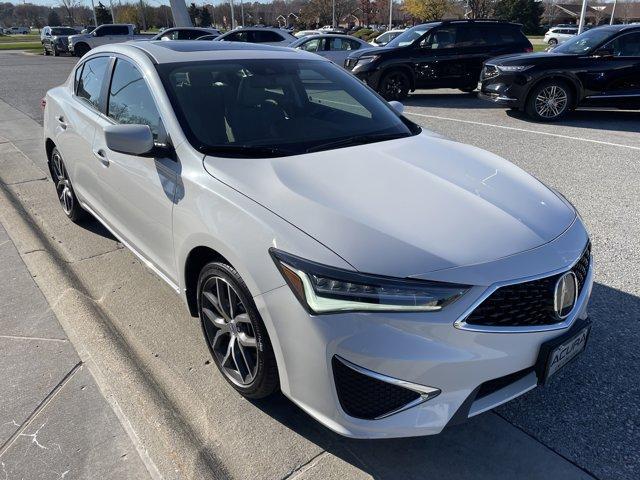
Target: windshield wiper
[246,151]
[357,140]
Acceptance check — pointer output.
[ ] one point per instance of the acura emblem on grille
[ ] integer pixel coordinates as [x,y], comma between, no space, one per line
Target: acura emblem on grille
[565,294]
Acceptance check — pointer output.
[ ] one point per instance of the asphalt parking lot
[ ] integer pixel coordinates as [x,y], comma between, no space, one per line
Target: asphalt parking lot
[586,419]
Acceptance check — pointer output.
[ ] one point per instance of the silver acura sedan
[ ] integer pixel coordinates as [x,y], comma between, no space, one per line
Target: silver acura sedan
[389,281]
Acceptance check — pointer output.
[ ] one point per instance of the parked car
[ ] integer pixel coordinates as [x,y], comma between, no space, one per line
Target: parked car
[185,33]
[286,220]
[267,35]
[332,46]
[56,40]
[46,31]
[384,38]
[600,67]
[436,55]
[19,30]
[208,37]
[80,44]
[558,35]
[304,33]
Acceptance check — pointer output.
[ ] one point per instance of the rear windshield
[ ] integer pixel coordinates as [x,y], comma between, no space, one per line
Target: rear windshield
[63,31]
[264,108]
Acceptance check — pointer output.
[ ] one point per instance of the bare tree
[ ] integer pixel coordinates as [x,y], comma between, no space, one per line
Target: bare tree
[69,7]
[480,8]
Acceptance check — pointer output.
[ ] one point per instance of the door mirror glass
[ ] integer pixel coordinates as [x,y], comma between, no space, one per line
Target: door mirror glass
[129,139]
[397,106]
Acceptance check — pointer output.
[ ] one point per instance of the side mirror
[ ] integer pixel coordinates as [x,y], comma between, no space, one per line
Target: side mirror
[604,52]
[397,106]
[129,139]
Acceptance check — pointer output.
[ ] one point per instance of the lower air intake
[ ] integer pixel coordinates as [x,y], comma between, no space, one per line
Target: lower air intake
[365,397]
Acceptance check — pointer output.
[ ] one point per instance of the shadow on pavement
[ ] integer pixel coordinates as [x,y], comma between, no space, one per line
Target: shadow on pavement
[588,414]
[614,120]
[454,99]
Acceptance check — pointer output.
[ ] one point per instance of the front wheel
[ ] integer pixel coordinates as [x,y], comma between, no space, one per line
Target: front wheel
[549,101]
[395,85]
[553,42]
[235,334]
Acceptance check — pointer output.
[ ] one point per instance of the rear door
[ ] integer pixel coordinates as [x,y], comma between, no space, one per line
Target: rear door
[138,192]
[339,49]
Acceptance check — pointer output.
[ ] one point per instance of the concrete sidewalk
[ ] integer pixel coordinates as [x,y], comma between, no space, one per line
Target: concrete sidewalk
[54,421]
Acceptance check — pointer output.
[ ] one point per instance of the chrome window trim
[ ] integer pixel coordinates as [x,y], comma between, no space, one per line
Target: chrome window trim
[461,323]
[426,393]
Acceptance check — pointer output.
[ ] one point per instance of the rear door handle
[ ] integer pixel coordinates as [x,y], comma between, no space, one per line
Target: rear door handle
[61,122]
[102,156]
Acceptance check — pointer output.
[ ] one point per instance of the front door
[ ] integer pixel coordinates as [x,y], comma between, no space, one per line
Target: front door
[437,59]
[137,192]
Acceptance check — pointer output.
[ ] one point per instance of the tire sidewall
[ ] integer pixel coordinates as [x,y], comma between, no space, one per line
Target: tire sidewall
[405,91]
[263,383]
[530,105]
[77,213]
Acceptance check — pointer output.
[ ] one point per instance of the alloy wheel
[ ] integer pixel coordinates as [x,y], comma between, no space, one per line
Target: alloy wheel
[394,87]
[229,331]
[63,185]
[551,101]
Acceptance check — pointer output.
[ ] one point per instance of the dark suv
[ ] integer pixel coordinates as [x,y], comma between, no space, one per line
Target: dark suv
[447,54]
[600,68]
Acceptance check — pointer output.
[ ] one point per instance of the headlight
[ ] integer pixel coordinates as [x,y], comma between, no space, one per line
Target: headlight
[514,68]
[324,289]
[367,60]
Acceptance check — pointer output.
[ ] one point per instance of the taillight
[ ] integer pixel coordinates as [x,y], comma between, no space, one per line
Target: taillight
[43,103]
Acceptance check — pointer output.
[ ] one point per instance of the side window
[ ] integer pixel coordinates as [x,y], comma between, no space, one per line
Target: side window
[441,38]
[265,36]
[354,45]
[471,36]
[190,34]
[340,44]
[173,35]
[626,45]
[238,37]
[311,45]
[130,100]
[91,78]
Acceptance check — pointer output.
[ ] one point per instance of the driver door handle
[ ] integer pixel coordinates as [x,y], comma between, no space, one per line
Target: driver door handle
[61,122]
[102,156]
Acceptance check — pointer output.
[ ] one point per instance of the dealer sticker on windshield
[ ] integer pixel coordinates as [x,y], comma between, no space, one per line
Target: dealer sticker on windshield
[566,351]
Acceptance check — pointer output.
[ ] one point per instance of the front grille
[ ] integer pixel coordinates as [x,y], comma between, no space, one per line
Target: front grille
[362,396]
[526,304]
[489,71]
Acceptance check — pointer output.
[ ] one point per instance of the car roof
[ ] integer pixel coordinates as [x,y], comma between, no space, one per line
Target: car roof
[175,51]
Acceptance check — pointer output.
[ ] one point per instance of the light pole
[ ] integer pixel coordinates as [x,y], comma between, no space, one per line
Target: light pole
[333,23]
[95,17]
[180,14]
[613,12]
[233,15]
[583,14]
[242,11]
[390,14]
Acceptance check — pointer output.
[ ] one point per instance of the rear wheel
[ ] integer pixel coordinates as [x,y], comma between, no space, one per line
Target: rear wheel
[236,336]
[550,100]
[64,189]
[395,85]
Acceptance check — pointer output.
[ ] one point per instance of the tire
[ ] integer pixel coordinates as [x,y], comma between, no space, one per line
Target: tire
[81,49]
[46,52]
[64,190]
[394,85]
[235,334]
[56,52]
[553,42]
[549,101]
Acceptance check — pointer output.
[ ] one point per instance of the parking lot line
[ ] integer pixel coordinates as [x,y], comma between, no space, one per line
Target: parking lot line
[526,130]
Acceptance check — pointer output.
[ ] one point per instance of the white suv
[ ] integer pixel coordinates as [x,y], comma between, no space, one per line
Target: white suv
[558,35]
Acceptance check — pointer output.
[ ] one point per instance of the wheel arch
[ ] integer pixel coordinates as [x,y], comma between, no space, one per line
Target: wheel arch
[574,84]
[49,145]
[196,259]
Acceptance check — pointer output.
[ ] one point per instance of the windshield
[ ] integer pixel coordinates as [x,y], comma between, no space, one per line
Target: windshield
[584,43]
[269,108]
[409,36]
[63,31]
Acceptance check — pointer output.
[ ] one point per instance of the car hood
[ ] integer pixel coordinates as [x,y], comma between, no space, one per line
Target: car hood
[80,36]
[373,50]
[404,207]
[526,58]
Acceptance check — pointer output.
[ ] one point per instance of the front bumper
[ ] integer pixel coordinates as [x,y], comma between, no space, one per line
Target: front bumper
[424,349]
[504,89]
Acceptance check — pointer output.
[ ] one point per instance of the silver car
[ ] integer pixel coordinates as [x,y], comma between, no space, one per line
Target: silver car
[387,280]
[333,46]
